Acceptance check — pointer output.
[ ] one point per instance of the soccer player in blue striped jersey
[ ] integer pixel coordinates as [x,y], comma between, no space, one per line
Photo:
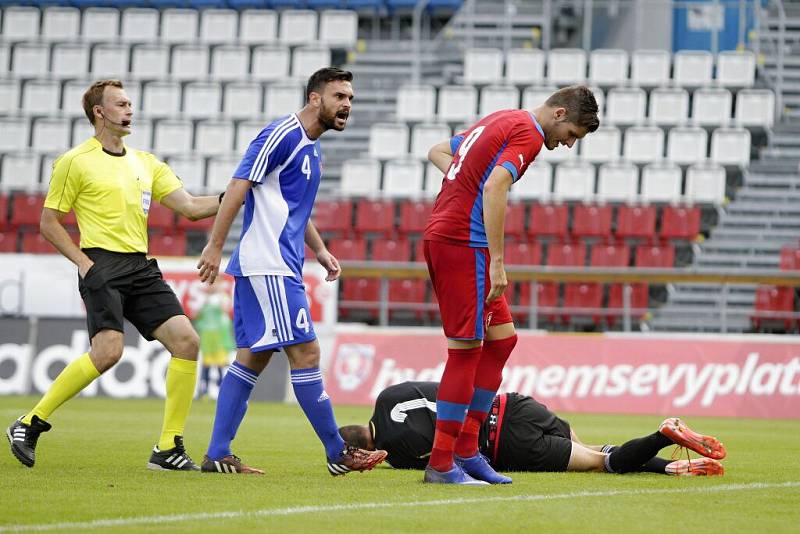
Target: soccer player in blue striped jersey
[278,180]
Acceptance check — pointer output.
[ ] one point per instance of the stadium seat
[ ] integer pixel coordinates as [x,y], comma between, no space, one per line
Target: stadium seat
[141,136]
[173,137]
[521,253]
[566,66]
[496,97]
[14,132]
[5,55]
[771,302]
[19,171]
[408,292]
[483,66]
[179,25]
[602,146]
[189,62]
[270,63]
[9,96]
[617,182]
[69,60]
[139,25]
[668,107]
[636,222]
[515,220]
[201,225]
[736,68]
[82,130]
[457,103]
[34,243]
[789,258]
[687,145]
[755,108]
[51,135]
[213,137]
[8,241]
[600,98]
[402,178]
[705,184]
[46,169]
[246,131]
[258,26]
[283,98]
[150,62]
[219,171]
[20,23]
[536,184]
[375,217]
[388,140]
[661,182]
[693,68]
[414,216]
[3,212]
[360,290]
[643,144]
[354,249]
[730,146]
[26,210]
[333,217]
[391,250]
[306,60]
[60,23]
[110,61]
[711,107]
[546,299]
[173,244]
[574,181]
[655,256]
[680,222]
[433,180]
[525,66]
[424,136]
[230,62]
[100,24]
[360,177]
[202,100]
[591,220]
[297,27]
[536,96]
[191,169]
[650,68]
[610,255]
[338,28]
[30,60]
[219,26]
[625,106]
[72,95]
[242,100]
[41,97]
[416,103]
[548,220]
[608,67]
[160,218]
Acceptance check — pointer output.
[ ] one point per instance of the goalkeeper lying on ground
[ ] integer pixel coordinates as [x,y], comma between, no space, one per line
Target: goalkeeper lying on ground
[521,434]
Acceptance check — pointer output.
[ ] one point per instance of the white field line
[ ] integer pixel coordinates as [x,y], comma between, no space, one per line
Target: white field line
[298,510]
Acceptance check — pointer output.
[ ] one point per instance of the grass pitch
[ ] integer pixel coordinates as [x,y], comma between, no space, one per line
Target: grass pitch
[90,475]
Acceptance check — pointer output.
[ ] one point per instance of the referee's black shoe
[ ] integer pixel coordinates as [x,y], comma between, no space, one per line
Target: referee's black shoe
[23,439]
[174,459]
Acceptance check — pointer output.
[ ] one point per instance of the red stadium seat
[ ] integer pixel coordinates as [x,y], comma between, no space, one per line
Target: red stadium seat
[364,290]
[636,222]
[655,256]
[3,211]
[590,220]
[769,300]
[548,220]
[515,220]
[567,254]
[546,297]
[375,216]
[167,245]
[790,258]
[523,253]
[35,243]
[201,225]
[349,249]
[640,299]
[614,255]
[680,222]
[160,218]
[8,241]
[391,250]
[333,216]
[407,291]
[26,210]
[414,216]
[583,295]
[419,251]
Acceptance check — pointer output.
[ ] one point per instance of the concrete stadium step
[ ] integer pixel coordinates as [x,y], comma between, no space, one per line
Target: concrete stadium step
[730,260]
[749,194]
[698,320]
[722,246]
[786,235]
[782,209]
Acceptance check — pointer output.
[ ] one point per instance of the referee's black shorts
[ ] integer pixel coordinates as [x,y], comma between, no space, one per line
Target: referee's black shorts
[123,285]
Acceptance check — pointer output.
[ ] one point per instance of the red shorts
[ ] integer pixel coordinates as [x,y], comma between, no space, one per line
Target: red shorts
[460,277]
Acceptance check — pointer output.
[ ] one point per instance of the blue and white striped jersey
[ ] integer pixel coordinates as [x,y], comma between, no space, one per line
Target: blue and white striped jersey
[284,166]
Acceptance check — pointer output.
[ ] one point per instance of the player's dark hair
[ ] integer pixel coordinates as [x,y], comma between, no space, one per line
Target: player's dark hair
[94,96]
[354,435]
[580,104]
[318,80]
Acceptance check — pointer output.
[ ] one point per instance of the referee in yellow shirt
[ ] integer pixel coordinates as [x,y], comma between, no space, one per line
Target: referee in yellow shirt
[110,187]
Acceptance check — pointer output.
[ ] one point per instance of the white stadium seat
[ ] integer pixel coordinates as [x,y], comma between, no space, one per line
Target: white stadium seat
[283,98]
[51,135]
[179,25]
[566,66]
[416,103]
[189,62]
[600,98]
[100,24]
[425,135]
[191,169]
[643,144]
[213,138]
[483,66]
[5,58]
[202,99]
[608,67]
[14,133]
[72,97]
[141,136]
[574,181]
[41,97]
[110,61]
[457,103]
[558,154]
[496,97]
[298,26]
[525,66]
[668,107]
[308,59]
[173,137]
[46,169]
[626,106]
[536,96]
[402,178]
[661,182]
[220,170]
[20,23]
[31,60]
[755,107]
[650,68]
[687,145]
[693,68]
[9,97]
[246,131]
[60,23]
[139,25]
[736,68]
[270,63]
[388,141]
[70,60]
[161,99]
[730,146]
[338,28]
[601,146]
[433,180]
[535,184]
[218,26]
[82,130]
[230,62]
[705,184]
[617,182]
[360,177]
[20,171]
[242,100]
[150,62]
[711,107]
[258,26]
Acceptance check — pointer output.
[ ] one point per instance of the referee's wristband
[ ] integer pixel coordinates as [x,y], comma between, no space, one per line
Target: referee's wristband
[220,196]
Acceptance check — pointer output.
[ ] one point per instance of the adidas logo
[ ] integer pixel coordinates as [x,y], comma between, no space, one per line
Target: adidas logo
[323,397]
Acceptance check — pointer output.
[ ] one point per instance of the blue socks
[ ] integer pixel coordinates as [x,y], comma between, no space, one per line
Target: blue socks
[231,407]
[316,404]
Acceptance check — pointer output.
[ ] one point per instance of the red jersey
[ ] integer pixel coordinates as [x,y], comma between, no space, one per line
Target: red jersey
[508,138]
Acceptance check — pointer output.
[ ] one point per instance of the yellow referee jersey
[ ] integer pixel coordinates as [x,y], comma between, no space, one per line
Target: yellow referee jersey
[110,194]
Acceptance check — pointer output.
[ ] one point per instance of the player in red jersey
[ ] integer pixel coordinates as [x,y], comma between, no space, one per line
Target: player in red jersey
[464,243]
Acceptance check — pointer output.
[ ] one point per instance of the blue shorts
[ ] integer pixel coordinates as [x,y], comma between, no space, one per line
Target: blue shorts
[270,312]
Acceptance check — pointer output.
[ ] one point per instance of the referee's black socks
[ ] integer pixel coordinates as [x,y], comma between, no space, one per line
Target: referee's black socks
[638,455]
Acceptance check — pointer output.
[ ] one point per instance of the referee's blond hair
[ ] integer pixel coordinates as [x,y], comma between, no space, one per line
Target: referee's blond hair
[94,96]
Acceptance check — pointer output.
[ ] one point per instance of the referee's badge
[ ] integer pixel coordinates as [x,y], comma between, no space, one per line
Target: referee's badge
[146,195]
